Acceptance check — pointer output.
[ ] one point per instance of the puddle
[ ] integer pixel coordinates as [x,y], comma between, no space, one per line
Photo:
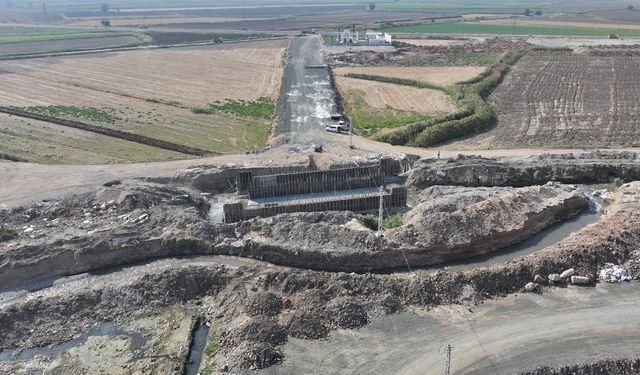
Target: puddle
[103,329]
[198,343]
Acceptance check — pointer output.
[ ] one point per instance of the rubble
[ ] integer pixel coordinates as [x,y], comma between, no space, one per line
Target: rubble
[530,287]
[555,278]
[611,273]
[580,280]
[567,273]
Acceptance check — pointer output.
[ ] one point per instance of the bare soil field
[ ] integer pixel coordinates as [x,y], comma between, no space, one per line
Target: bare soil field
[384,95]
[443,76]
[151,92]
[192,76]
[53,144]
[35,47]
[572,101]
[136,21]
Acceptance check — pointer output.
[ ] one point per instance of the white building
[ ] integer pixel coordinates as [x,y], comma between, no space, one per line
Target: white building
[377,38]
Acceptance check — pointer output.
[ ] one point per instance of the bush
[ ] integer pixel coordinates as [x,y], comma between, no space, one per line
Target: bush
[371,221]
[475,114]
[212,347]
[615,185]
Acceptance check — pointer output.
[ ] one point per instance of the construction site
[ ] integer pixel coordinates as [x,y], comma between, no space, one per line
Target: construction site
[334,191]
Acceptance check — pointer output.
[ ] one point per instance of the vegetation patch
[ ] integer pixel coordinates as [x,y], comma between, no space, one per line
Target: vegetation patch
[212,347]
[615,184]
[371,221]
[474,114]
[260,108]
[369,120]
[397,81]
[87,113]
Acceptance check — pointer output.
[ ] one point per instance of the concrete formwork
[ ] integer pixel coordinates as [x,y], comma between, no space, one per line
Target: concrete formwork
[397,197]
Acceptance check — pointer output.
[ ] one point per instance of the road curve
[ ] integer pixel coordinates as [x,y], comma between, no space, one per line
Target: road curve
[504,336]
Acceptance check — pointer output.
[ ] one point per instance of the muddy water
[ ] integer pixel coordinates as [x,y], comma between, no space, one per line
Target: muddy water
[103,329]
[198,344]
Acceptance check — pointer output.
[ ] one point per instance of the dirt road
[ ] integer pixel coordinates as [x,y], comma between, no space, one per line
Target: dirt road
[308,98]
[505,336]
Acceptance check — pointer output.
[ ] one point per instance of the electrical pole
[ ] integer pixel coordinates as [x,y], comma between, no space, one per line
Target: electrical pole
[447,363]
[350,134]
[380,210]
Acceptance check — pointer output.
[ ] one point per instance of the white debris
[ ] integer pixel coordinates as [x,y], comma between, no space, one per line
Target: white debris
[612,273]
[554,278]
[580,280]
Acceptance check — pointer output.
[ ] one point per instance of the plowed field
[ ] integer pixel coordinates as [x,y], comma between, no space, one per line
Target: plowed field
[568,101]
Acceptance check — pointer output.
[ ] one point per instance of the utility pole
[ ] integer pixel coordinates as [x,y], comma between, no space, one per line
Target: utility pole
[350,134]
[44,12]
[447,363]
[380,210]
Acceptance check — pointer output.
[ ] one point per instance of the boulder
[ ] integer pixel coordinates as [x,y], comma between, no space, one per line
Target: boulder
[580,280]
[554,278]
[538,279]
[530,287]
[568,273]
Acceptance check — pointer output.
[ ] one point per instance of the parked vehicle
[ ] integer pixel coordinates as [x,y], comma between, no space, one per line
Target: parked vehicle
[338,128]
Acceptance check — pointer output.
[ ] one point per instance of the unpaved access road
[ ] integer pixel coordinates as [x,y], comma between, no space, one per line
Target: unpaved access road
[504,336]
[308,97]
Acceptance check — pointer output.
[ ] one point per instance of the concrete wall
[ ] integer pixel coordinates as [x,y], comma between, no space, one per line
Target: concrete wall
[397,197]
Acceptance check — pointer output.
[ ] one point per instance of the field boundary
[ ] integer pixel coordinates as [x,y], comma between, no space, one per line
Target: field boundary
[396,81]
[109,132]
[475,114]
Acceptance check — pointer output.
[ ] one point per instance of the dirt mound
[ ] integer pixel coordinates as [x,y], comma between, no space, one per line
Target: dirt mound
[264,303]
[593,167]
[346,314]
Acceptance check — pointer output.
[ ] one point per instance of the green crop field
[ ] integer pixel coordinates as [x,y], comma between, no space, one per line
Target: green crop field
[19,35]
[464,6]
[487,28]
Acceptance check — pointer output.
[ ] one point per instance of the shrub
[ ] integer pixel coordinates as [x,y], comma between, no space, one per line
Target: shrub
[474,115]
[212,347]
[615,184]
[393,221]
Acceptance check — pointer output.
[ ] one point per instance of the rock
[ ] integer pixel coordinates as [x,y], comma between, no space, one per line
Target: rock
[530,287]
[538,279]
[568,273]
[580,280]
[555,278]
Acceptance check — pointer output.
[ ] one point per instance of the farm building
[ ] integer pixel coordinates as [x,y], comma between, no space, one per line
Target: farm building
[377,38]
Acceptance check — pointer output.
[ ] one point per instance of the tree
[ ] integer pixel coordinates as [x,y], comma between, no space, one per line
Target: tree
[630,7]
[104,8]
[105,22]
[527,12]
[372,6]
[538,12]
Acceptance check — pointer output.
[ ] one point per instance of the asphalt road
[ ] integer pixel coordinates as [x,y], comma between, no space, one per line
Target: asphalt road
[505,336]
[309,100]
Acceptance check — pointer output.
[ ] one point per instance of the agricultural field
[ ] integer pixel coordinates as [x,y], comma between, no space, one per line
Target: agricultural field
[441,76]
[28,40]
[137,21]
[46,143]
[576,101]
[154,93]
[511,29]
[374,105]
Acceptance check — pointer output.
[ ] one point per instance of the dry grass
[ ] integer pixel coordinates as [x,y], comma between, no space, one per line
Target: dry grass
[52,144]
[152,92]
[443,76]
[406,98]
[192,76]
